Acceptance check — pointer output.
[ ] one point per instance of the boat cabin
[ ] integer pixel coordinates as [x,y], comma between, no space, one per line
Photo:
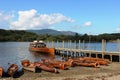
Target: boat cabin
[38,44]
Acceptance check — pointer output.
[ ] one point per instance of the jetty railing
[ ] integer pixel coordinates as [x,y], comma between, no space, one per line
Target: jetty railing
[77,49]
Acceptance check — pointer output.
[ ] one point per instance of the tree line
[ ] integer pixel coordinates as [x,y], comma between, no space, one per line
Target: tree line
[21,35]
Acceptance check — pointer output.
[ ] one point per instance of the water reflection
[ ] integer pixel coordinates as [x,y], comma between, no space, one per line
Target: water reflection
[38,56]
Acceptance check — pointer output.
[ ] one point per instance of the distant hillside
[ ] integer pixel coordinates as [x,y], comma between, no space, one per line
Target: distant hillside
[21,35]
[52,32]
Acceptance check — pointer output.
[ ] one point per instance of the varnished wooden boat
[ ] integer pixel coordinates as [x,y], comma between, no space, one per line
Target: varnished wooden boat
[88,60]
[99,60]
[12,70]
[25,63]
[86,64]
[1,71]
[45,68]
[63,65]
[29,66]
[41,47]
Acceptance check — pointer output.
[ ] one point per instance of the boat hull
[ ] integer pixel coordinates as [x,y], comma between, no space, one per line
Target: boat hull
[12,70]
[1,71]
[50,51]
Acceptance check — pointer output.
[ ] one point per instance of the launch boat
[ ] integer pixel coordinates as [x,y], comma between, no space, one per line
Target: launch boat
[40,46]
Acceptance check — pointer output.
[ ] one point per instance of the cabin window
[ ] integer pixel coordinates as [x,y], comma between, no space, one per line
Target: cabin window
[38,45]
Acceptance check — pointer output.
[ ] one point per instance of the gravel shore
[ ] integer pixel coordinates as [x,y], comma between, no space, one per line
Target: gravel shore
[110,72]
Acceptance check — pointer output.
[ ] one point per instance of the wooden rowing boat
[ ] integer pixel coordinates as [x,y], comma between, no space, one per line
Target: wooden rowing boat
[99,60]
[1,71]
[63,65]
[12,70]
[45,68]
[29,66]
[25,63]
[85,64]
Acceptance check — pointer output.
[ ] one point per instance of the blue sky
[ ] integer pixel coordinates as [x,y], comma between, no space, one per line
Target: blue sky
[82,16]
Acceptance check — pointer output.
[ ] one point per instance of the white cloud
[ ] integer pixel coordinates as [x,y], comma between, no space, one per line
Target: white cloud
[32,20]
[87,24]
[118,29]
[5,18]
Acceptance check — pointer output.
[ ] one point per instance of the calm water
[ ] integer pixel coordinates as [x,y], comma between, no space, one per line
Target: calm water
[89,46]
[15,52]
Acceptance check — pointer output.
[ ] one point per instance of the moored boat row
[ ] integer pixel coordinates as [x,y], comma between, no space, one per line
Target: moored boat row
[53,66]
[27,65]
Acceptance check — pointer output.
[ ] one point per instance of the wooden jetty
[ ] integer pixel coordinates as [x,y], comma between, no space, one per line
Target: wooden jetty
[88,53]
[81,51]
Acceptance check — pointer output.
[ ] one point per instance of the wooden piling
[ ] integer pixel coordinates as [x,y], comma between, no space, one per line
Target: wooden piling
[68,48]
[111,57]
[71,47]
[75,44]
[83,46]
[118,41]
[47,43]
[103,48]
[57,44]
[53,44]
[79,48]
[63,45]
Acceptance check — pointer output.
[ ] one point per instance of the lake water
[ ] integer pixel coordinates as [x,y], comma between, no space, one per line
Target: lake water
[88,46]
[15,52]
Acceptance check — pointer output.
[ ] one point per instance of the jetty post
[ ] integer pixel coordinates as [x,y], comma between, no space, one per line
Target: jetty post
[53,44]
[75,44]
[74,52]
[83,47]
[48,44]
[63,47]
[57,44]
[79,48]
[119,48]
[89,46]
[68,48]
[103,47]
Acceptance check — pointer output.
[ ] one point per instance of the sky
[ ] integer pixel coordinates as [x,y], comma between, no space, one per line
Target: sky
[81,16]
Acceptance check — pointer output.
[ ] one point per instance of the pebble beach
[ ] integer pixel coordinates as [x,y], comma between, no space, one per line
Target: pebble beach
[109,72]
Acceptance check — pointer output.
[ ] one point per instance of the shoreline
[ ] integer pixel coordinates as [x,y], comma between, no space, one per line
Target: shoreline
[75,73]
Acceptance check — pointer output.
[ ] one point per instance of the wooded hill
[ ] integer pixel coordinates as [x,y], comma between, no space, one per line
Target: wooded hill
[21,35]
[52,32]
